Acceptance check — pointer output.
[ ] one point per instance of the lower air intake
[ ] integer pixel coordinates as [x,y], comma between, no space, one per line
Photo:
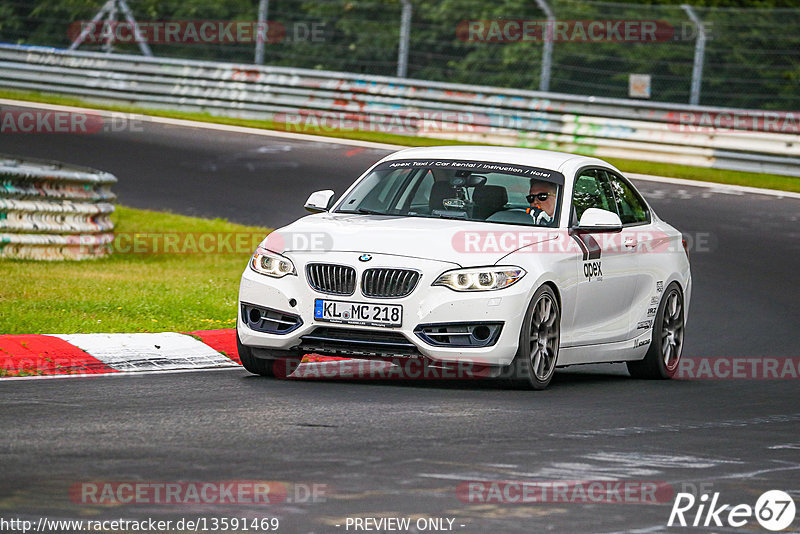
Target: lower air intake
[459,334]
[269,321]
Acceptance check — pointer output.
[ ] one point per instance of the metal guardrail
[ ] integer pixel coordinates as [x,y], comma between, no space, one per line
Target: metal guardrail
[301,99]
[51,211]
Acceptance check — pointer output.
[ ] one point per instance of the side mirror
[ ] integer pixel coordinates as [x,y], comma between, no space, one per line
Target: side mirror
[319,201]
[597,220]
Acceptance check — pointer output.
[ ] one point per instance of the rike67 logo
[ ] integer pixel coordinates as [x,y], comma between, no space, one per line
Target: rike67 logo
[774,510]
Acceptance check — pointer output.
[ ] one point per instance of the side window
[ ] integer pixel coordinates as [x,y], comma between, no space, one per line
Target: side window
[423,192]
[591,191]
[630,206]
[385,191]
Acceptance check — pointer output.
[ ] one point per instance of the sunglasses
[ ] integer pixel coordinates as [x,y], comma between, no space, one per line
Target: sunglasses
[541,197]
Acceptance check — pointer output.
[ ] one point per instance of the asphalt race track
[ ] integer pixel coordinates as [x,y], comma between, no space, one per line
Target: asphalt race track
[400,449]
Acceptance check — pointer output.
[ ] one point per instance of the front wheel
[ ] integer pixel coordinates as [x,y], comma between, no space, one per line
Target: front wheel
[540,336]
[666,346]
[278,367]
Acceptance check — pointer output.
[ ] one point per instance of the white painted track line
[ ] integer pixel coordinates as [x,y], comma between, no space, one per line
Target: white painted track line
[728,188]
[204,125]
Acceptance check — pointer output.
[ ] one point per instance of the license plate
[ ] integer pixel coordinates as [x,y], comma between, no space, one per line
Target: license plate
[361,313]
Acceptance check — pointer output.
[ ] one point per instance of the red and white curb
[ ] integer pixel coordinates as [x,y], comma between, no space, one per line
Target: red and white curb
[93,354]
[81,355]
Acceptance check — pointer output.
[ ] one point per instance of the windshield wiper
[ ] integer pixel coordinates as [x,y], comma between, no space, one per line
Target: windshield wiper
[365,211]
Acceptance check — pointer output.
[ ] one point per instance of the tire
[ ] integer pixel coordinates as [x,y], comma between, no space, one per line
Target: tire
[280,366]
[664,355]
[539,340]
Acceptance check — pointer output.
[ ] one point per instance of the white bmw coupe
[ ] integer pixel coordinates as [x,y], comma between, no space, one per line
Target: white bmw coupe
[513,260]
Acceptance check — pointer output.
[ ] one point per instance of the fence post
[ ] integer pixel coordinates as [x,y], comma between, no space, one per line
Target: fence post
[699,53]
[128,14]
[405,32]
[547,51]
[109,11]
[263,9]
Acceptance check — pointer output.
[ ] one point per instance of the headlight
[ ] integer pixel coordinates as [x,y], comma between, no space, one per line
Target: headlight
[271,264]
[480,279]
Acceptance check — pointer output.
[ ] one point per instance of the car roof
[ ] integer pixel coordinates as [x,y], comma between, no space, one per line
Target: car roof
[544,159]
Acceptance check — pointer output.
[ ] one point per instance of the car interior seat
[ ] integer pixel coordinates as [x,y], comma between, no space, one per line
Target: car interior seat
[488,200]
[440,191]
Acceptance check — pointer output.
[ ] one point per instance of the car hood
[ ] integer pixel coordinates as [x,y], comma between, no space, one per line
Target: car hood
[466,243]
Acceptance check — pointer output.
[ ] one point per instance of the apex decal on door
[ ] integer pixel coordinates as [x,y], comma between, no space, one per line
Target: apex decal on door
[593,270]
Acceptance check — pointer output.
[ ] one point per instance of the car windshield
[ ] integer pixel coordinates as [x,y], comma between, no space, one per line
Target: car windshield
[458,189]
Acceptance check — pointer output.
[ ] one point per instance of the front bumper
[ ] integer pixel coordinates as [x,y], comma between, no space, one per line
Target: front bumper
[426,305]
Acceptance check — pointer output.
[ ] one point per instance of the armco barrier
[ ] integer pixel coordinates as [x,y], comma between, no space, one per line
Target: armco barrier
[53,211]
[604,127]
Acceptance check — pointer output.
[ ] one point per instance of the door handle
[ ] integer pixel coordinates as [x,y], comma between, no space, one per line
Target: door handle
[631,242]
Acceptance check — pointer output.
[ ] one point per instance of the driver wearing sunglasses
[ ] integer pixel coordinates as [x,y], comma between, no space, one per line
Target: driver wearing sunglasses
[542,198]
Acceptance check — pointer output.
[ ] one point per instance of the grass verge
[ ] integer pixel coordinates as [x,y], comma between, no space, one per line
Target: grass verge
[767,181]
[128,292]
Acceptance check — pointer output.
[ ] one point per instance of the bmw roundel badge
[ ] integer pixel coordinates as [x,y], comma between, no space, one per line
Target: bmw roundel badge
[365,257]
